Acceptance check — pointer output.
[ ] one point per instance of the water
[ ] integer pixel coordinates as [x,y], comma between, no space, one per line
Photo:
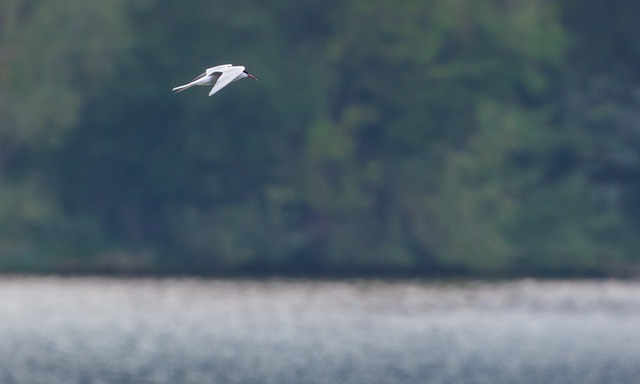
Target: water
[96,330]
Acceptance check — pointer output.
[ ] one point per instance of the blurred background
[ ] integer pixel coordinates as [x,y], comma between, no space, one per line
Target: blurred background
[484,137]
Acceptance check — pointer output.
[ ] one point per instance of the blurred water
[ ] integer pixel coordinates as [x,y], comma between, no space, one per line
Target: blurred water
[96,330]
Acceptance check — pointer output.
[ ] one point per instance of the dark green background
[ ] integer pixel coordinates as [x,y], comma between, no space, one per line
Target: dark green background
[484,137]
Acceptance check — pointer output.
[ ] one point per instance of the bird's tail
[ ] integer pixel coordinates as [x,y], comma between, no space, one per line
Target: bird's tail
[182,88]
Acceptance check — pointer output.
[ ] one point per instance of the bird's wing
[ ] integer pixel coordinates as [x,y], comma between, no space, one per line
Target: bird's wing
[228,75]
[200,76]
[218,68]
[210,70]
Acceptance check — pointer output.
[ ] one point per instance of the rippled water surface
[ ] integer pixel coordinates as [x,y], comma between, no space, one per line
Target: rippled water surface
[94,330]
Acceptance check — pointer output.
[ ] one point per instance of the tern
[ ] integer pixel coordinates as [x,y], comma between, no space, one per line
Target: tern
[219,76]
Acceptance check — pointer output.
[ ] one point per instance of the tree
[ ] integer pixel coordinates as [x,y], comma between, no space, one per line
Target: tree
[55,55]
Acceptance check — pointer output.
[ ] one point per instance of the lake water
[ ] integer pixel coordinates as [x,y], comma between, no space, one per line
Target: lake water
[102,330]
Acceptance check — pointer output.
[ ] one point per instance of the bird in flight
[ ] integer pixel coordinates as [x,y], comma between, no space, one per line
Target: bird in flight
[219,76]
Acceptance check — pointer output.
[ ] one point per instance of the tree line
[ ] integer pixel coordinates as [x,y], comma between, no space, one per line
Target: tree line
[486,137]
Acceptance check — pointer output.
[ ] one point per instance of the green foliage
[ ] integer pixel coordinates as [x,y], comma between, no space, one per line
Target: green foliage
[55,55]
[518,214]
[479,136]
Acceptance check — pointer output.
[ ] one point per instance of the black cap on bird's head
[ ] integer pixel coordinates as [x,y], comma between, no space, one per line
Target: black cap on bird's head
[250,75]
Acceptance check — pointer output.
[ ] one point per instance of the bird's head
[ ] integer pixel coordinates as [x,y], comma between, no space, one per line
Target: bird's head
[250,75]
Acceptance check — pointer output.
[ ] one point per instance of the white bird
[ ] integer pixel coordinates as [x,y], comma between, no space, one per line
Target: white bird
[219,76]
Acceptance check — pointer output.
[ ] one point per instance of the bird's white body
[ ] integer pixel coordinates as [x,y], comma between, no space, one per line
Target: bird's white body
[219,76]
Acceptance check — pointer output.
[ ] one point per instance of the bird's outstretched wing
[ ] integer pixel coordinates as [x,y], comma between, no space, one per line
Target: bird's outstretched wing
[210,70]
[227,76]
[200,76]
[217,68]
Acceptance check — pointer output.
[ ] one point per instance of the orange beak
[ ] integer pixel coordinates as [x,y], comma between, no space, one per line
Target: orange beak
[251,76]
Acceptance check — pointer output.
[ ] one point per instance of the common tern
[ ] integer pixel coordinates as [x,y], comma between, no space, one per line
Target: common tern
[219,76]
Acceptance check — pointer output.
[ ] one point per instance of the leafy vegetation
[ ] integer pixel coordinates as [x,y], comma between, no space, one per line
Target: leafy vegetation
[481,137]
